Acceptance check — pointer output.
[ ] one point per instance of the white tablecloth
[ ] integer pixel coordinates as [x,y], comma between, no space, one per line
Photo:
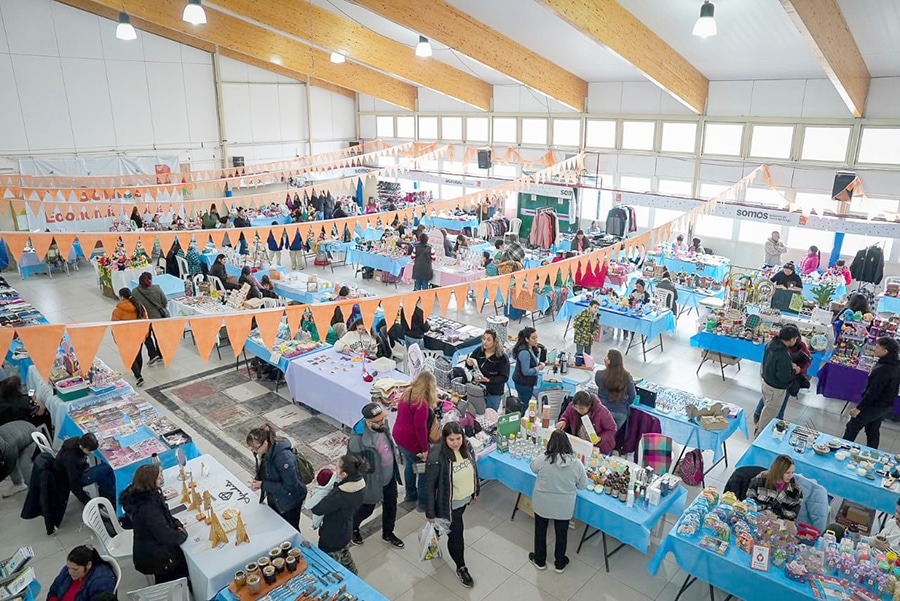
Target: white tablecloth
[211,569]
[122,279]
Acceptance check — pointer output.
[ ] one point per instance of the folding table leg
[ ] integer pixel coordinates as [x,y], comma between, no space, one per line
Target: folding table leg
[516,507]
[688,581]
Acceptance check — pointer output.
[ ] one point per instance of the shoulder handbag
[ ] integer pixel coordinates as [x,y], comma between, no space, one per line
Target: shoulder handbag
[434,431]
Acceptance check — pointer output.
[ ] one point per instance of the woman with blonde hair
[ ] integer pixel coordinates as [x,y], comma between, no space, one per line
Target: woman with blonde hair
[776,490]
[415,418]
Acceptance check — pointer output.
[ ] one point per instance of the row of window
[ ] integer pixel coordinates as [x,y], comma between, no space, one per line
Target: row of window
[877,145]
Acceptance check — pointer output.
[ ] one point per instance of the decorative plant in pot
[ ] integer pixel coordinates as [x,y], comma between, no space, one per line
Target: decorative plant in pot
[822,294]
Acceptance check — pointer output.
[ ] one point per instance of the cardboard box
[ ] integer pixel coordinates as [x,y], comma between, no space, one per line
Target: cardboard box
[854,513]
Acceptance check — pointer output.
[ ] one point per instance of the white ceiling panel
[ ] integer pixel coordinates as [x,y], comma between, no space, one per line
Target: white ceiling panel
[875,25]
[756,38]
[533,25]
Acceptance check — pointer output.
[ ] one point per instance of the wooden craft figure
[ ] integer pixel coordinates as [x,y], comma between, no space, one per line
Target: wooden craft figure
[195,501]
[216,531]
[185,492]
[241,535]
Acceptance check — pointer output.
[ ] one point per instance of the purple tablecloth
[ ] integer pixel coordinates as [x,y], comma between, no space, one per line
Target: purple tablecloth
[332,383]
[845,383]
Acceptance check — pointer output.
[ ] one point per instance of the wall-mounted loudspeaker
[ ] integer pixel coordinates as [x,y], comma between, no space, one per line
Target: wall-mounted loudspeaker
[484,158]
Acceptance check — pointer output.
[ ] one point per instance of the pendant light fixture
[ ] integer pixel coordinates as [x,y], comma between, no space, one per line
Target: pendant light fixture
[194,13]
[423,48]
[337,58]
[705,26]
[125,30]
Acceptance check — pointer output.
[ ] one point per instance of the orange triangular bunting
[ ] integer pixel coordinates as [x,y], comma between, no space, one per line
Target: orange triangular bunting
[461,292]
[391,306]
[42,342]
[109,242]
[6,337]
[322,315]
[86,342]
[130,242]
[218,237]
[443,296]
[169,333]
[206,331]
[367,309]
[268,322]
[64,243]
[41,243]
[129,336]
[238,325]
[479,286]
[294,314]
[16,243]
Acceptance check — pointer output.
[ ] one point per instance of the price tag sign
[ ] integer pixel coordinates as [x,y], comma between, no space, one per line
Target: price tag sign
[759,558]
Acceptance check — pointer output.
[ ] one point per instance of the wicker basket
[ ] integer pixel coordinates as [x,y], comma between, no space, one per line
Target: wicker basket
[442,369]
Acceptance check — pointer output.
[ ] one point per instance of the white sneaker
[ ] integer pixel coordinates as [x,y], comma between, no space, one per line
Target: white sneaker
[14,490]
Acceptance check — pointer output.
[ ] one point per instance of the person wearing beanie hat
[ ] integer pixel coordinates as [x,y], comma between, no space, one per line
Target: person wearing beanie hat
[325,480]
[371,439]
[787,277]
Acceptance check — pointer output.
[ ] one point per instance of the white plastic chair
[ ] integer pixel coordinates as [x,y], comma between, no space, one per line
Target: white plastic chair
[216,282]
[198,279]
[665,297]
[515,224]
[184,271]
[116,568]
[42,443]
[177,590]
[119,545]
[891,279]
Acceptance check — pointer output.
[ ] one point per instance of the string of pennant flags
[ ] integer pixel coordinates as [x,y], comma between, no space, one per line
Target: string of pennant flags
[43,341]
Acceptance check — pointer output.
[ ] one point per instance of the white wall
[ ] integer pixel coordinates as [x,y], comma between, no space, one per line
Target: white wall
[69,86]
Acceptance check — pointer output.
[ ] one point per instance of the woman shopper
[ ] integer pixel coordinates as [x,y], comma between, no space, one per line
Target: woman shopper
[157,534]
[17,451]
[776,490]
[338,508]
[559,477]
[604,425]
[492,362]
[16,405]
[810,263]
[528,367]
[277,476]
[423,259]
[415,416]
[128,310]
[615,387]
[451,485]
[152,298]
[84,577]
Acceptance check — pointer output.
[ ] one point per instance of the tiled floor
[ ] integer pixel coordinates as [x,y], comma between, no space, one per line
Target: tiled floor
[218,405]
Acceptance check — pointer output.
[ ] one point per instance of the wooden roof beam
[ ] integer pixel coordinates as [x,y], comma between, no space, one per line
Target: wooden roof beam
[328,30]
[822,25]
[610,24]
[440,21]
[269,66]
[257,42]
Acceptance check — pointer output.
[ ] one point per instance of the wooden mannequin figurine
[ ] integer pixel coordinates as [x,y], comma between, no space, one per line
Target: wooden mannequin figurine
[216,532]
[185,492]
[241,535]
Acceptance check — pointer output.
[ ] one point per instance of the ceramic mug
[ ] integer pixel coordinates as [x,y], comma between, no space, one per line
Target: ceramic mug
[278,564]
[269,574]
[295,552]
[254,583]
[251,568]
[263,563]
[285,548]
[274,552]
[290,563]
[240,578]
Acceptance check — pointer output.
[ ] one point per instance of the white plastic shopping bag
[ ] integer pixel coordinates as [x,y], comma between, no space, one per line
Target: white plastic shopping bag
[428,543]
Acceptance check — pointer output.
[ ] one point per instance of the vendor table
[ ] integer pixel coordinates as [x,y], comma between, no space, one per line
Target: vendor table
[647,326]
[392,265]
[211,569]
[469,336]
[369,233]
[717,272]
[888,304]
[690,298]
[355,585]
[691,434]
[264,221]
[332,383]
[119,279]
[744,349]
[630,525]
[296,289]
[846,383]
[118,405]
[839,293]
[172,287]
[255,347]
[446,275]
[453,224]
[208,256]
[730,572]
[30,264]
[828,471]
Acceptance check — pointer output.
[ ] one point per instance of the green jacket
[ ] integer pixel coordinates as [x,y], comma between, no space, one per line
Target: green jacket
[585,327]
[776,368]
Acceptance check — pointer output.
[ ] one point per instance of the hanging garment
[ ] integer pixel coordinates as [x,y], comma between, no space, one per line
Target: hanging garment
[868,265]
[617,221]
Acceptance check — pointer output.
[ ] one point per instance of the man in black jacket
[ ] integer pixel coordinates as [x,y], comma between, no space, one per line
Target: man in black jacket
[72,467]
[878,397]
[777,373]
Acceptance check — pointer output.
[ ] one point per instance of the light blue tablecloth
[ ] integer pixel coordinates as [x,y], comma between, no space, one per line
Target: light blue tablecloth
[690,434]
[630,525]
[209,257]
[340,394]
[236,271]
[125,474]
[300,295]
[369,233]
[451,223]
[730,572]
[649,326]
[258,350]
[30,264]
[888,304]
[719,272]
[356,586]
[828,471]
[263,221]
[376,261]
[172,287]
[688,297]
[484,246]
[746,349]
[563,244]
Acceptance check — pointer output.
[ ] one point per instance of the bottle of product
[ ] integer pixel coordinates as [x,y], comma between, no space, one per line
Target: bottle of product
[513,446]
[502,443]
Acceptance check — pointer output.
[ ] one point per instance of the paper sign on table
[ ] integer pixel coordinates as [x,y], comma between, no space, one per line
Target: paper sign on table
[509,424]
[760,558]
[589,428]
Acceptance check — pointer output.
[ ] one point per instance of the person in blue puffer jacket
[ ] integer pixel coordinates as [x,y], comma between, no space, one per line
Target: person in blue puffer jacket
[277,474]
[296,248]
[274,246]
[84,578]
